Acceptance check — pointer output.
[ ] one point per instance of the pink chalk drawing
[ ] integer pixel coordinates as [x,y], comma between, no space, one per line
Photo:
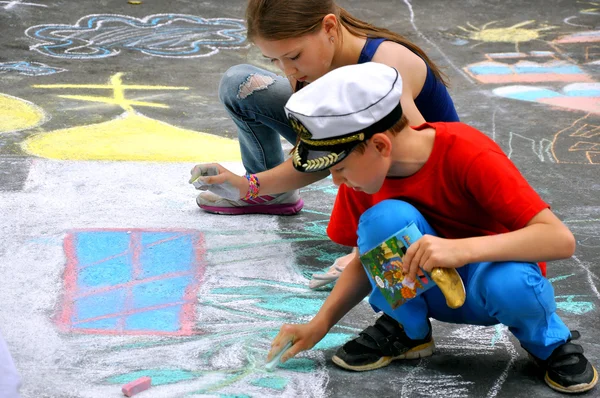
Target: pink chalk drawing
[580,37]
[136,281]
[524,71]
[574,97]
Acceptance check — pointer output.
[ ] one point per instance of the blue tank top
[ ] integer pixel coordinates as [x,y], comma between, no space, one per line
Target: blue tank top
[433,101]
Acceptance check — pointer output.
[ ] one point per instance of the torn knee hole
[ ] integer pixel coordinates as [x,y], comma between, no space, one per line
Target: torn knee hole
[254,83]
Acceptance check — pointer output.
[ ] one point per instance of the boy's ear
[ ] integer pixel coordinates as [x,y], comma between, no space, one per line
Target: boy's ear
[382,144]
[330,23]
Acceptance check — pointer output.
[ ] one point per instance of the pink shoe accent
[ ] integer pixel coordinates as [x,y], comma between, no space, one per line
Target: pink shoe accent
[283,209]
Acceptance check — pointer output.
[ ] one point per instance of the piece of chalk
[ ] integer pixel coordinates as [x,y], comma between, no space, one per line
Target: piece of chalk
[136,386]
[275,361]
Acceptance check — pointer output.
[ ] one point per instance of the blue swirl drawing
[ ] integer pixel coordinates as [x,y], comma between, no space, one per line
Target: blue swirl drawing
[29,68]
[159,35]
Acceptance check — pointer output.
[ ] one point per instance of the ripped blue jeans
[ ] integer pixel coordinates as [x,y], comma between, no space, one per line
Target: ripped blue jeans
[255,100]
[512,293]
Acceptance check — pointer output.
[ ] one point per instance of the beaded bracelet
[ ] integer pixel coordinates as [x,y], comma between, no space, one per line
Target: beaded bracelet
[253,186]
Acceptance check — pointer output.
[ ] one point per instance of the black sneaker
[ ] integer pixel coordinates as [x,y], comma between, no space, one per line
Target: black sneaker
[567,369]
[378,345]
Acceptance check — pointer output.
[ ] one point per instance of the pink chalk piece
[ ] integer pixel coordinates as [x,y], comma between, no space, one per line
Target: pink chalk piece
[136,386]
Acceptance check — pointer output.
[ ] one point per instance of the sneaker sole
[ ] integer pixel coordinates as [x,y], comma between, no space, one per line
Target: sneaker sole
[572,389]
[284,209]
[420,351]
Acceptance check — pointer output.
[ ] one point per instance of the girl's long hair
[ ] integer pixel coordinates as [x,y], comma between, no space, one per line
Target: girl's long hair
[284,19]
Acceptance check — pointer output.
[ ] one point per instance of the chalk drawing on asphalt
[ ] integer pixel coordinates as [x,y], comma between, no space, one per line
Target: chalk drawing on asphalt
[29,68]
[580,142]
[572,97]
[131,281]
[129,137]
[592,7]
[12,4]
[521,144]
[515,34]
[158,35]
[137,282]
[18,114]
[580,37]
[591,276]
[526,69]
[577,304]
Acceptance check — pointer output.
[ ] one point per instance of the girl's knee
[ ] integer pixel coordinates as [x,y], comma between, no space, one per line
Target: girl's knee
[242,81]
[383,220]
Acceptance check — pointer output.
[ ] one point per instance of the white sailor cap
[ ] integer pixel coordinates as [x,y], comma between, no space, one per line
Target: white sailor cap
[341,109]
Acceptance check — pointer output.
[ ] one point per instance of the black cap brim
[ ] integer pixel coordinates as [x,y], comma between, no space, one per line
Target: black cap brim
[308,159]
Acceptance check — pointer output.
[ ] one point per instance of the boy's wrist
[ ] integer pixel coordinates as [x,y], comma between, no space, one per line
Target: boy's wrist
[468,251]
[319,326]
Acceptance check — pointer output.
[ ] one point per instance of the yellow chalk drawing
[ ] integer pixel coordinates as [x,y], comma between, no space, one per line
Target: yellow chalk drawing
[513,34]
[594,10]
[17,114]
[118,89]
[130,137]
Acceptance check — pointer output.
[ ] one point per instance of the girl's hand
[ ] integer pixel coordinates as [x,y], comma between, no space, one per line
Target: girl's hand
[430,252]
[303,337]
[217,179]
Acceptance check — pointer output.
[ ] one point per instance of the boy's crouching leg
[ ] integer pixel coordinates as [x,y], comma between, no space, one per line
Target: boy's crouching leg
[387,340]
[517,295]
[378,345]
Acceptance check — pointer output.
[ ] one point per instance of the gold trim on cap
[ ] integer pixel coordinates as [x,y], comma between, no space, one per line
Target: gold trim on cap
[296,157]
[319,163]
[334,141]
[299,128]
[306,137]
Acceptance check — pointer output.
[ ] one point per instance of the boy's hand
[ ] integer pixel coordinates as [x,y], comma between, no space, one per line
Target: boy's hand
[205,174]
[430,252]
[302,336]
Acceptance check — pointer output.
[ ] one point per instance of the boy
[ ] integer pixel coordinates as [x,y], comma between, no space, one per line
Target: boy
[477,213]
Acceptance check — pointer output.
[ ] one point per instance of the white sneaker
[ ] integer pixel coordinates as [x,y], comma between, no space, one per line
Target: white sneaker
[288,203]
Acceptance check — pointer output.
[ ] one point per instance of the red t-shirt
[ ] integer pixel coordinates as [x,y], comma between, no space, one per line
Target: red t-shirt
[468,187]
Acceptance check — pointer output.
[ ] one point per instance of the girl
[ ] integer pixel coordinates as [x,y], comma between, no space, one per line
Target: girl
[306,39]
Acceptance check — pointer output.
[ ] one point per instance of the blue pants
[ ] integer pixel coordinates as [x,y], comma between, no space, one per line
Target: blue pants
[512,293]
[257,109]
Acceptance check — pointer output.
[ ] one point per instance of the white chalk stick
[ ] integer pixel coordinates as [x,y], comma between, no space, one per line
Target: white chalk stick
[275,361]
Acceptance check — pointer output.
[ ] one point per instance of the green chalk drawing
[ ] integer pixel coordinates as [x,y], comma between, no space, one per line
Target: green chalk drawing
[293,305]
[574,307]
[560,278]
[159,376]
[317,229]
[498,332]
[274,383]
[567,303]
[302,365]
